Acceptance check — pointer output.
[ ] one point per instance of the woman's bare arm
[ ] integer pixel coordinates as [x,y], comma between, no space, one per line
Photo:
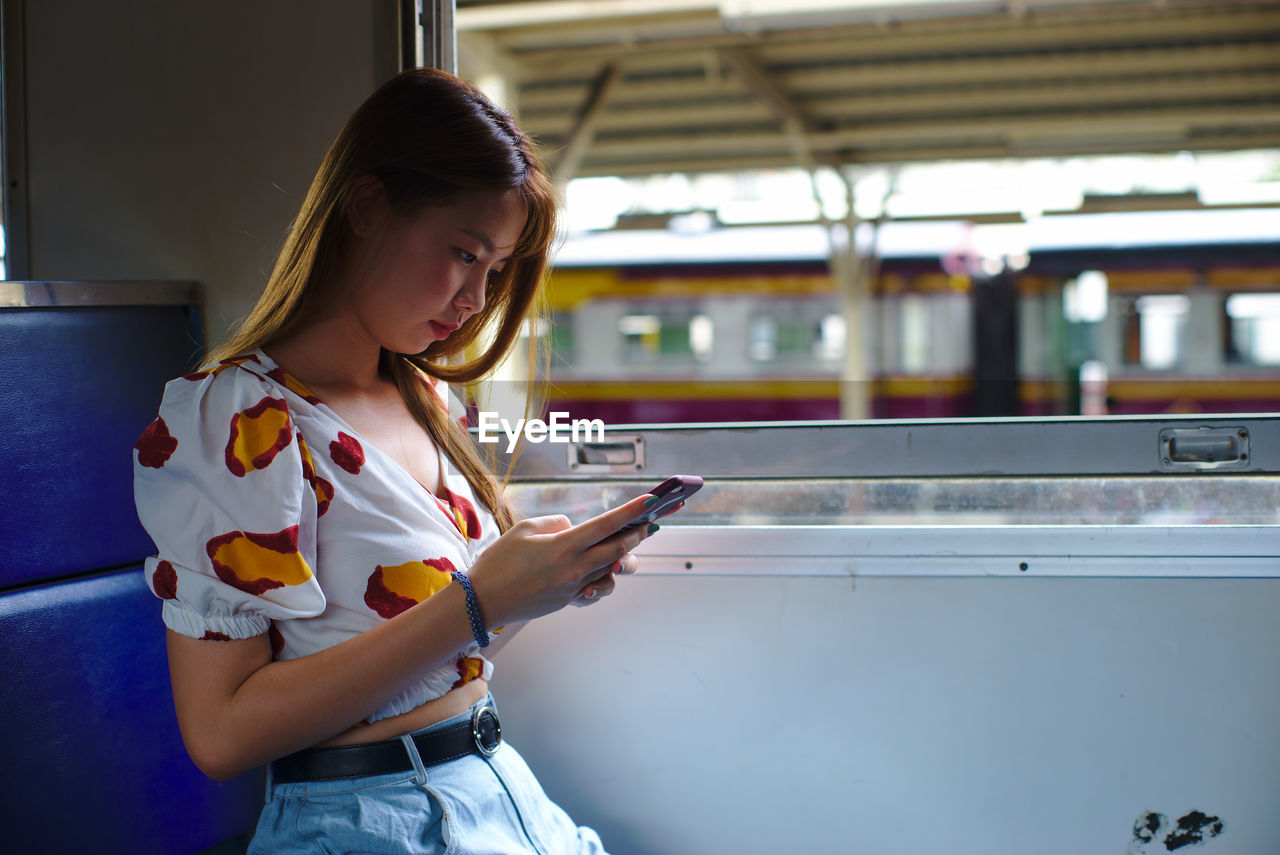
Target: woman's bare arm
[237,709]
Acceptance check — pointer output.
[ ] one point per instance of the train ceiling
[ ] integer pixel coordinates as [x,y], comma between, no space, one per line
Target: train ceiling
[627,87]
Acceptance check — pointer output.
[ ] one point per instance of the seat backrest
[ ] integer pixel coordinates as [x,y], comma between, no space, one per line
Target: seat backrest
[92,758]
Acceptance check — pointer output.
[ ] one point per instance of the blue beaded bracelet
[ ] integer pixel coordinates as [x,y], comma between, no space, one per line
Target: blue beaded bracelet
[473,610]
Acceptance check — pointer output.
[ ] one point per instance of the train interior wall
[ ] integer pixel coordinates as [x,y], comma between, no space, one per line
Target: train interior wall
[162,141]
[171,141]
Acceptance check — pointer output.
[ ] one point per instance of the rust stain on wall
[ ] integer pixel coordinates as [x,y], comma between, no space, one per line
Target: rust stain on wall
[1153,833]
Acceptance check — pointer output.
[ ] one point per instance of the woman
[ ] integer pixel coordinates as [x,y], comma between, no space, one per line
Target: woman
[313,501]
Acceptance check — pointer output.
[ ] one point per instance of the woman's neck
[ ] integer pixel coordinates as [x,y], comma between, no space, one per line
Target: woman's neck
[329,354]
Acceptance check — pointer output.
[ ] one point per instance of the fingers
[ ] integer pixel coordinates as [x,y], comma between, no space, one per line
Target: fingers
[547,525]
[613,549]
[604,585]
[572,563]
[596,590]
[600,527]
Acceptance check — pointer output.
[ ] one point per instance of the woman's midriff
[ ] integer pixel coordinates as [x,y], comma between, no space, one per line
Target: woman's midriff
[455,702]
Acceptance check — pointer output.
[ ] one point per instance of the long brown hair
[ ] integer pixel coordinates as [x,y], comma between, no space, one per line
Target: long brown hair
[426,135]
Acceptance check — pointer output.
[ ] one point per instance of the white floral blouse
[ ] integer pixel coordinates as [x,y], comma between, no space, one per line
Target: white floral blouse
[270,515]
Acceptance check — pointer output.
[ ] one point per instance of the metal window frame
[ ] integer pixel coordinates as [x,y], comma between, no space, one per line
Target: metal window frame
[69,295]
[13,121]
[439,34]
[983,450]
[979,448]
[1027,552]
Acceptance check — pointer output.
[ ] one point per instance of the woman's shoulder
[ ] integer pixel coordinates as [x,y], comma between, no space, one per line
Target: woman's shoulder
[231,404]
[229,395]
[245,369]
[232,382]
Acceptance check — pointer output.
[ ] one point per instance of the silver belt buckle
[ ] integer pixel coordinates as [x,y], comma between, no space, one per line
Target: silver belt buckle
[482,739]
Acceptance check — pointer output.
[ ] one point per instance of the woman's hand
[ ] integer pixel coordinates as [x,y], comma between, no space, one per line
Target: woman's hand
[542,564]
[603,587]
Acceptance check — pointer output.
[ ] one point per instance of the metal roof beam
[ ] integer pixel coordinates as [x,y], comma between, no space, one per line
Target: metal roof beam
[795,126]
[588,118]
[896,79]
[1010,101]
[1134,124]
[502,16]
[546,48]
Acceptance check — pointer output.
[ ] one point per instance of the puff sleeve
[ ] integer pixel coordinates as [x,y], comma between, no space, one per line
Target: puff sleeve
[221,487]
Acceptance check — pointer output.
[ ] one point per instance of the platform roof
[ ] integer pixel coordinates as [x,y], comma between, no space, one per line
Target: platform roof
[627,87]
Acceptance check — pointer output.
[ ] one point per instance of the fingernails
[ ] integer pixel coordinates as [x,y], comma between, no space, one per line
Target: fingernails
[651,501]
[653,527]
[593,593]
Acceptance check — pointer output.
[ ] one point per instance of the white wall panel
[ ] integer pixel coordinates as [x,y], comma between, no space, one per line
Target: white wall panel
[767,714]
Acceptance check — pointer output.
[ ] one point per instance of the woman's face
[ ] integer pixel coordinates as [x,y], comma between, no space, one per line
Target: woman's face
[418,279]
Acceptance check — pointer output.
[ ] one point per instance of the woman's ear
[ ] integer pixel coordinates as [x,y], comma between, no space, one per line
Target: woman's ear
[365,204]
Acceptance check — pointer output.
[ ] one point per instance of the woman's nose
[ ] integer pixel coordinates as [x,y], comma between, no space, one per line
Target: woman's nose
[471,298]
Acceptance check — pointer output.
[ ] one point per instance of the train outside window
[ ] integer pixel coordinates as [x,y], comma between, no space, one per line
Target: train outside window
[649,337]
[1253,328]
[1155,330]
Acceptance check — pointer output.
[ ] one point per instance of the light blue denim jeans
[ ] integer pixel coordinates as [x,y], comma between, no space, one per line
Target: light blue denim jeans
[470,806]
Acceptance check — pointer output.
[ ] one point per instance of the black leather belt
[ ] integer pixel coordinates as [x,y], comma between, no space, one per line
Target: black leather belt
[482,735]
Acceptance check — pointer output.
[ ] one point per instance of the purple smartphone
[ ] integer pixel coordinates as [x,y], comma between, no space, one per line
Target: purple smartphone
[669,494]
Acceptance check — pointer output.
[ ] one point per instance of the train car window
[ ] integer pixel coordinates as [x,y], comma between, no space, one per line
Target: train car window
[649,337]
[913,331]
[832,336]
[1253,328]
[796,333]
[1084,299]
[701,337]
[561,338]
[762,345]
[1156,330]
[794,336]
[675,338]
[641,336]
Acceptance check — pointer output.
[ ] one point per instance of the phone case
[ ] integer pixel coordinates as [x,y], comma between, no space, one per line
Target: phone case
[670,493]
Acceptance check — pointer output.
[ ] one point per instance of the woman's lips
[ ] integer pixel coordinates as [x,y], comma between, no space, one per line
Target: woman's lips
[442,330]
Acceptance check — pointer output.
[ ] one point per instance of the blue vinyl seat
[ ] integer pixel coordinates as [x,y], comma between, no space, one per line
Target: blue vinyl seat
[93,758]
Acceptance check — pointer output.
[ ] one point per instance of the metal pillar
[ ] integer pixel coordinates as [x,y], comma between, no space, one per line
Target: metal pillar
[13,121]
[439,35]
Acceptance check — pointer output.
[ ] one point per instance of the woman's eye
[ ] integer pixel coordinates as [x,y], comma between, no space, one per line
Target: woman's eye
[467,258]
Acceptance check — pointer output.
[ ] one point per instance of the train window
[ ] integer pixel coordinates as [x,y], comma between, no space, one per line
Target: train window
[779,338]
[832,333]
[914,334]
[796,335]
[701,337]
[651,337]
[1084,299]
[762,342]
[1155,327]
[1253,328]
[641,336]
[560,337]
